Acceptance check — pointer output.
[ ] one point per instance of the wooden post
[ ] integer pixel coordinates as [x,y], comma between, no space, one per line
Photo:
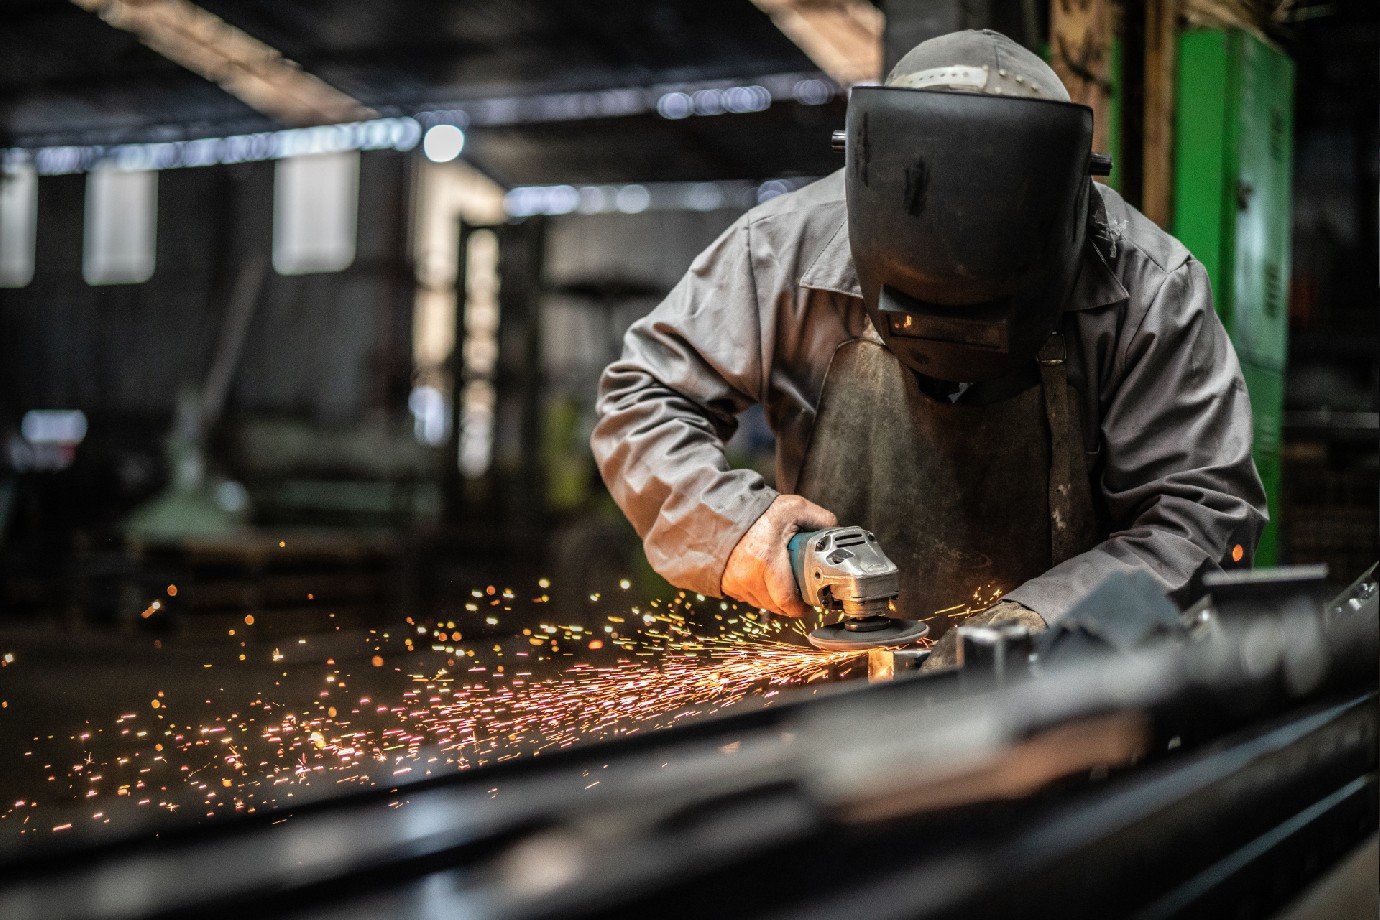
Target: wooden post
[1080,41]
[1161,52]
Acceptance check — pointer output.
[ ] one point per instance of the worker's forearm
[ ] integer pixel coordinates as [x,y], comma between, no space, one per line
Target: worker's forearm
[662,460]
[1194,523]
[1175,562]
[667,406]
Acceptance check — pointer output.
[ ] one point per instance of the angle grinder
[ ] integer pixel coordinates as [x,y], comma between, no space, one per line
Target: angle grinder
[843,570]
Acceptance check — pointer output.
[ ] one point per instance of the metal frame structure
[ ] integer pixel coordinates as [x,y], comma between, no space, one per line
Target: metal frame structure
[1219,772]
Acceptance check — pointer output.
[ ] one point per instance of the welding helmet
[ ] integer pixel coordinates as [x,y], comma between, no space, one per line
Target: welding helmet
[967,211]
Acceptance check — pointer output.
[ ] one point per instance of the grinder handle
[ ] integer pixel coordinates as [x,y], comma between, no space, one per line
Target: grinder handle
[798,548]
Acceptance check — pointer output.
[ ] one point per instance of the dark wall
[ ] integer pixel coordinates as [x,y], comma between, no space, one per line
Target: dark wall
[647,253]
[325,347]
[1333,308]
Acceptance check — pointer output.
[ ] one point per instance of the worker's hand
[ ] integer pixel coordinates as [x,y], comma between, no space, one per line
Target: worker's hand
[759,568]
[945,652]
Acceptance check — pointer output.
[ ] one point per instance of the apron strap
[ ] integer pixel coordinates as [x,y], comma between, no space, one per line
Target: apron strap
[1070,495]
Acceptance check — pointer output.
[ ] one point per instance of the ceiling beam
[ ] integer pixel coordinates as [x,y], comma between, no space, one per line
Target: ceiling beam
[842,37]
[251,71]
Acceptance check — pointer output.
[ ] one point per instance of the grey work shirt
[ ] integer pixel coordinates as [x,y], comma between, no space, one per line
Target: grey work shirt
[758,317]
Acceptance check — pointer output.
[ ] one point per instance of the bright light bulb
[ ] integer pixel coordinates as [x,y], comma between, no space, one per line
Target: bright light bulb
[443,143]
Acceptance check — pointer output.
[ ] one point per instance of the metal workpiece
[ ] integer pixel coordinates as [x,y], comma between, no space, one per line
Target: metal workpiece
[1283,589]
[886,663]
[1102,712]
[1002,651]
[1297,590]
[1361,595]
[1183,777]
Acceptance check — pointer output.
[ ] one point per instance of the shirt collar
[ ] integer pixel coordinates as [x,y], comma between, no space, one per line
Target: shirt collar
[833,270]
[1096,285]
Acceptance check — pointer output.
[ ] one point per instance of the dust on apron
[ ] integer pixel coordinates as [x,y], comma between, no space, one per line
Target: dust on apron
[968,500]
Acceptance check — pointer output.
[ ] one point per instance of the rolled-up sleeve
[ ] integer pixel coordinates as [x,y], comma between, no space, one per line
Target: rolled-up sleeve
[669,403]
[1179,484]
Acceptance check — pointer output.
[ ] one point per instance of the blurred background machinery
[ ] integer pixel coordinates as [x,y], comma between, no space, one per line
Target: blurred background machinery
[341,321]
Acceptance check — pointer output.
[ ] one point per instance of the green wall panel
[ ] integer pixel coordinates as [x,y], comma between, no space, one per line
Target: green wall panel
[1263,202]
[1205,156]
[1233,168]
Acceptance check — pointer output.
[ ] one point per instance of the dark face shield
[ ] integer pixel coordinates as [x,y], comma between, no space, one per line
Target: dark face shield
[966,214]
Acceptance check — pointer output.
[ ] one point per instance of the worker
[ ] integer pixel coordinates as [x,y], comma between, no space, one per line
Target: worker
[962,343]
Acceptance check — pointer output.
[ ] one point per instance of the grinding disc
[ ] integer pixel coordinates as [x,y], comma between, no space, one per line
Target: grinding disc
[836,638]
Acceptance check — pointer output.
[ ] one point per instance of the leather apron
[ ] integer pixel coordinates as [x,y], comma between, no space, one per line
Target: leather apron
[969,501]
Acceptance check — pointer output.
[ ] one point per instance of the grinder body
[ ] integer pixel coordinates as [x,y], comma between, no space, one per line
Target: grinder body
[843,570]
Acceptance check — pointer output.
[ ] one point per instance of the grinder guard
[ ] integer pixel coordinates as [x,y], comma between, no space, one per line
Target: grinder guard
[966,216]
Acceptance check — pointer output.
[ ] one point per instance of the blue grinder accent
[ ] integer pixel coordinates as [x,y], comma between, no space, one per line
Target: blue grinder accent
[796,547]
